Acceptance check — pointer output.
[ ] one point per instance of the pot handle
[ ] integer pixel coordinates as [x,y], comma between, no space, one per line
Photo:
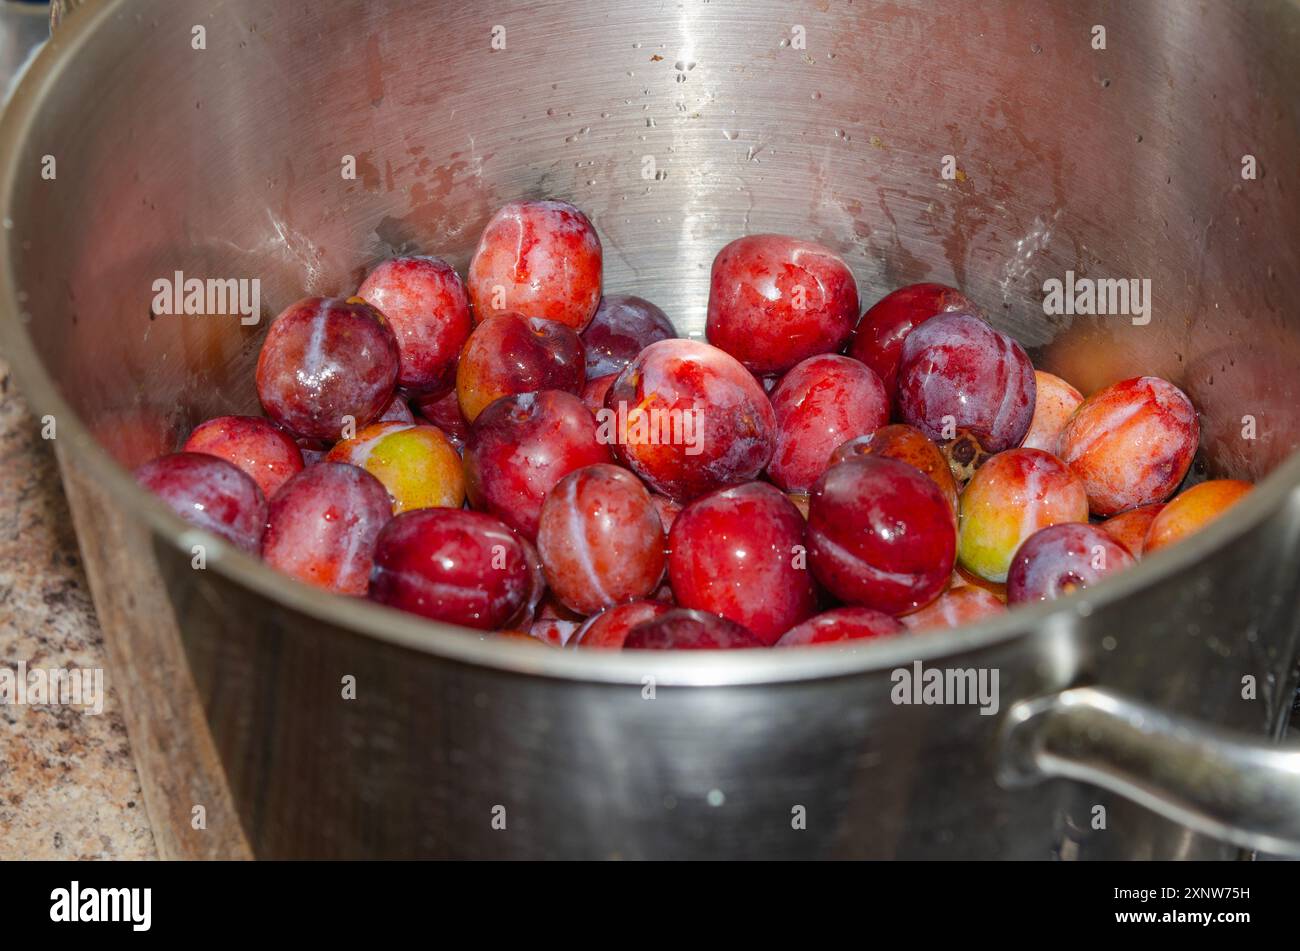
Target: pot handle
[1238,789]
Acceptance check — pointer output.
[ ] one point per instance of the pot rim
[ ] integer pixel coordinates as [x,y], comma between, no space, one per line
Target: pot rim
[367,619]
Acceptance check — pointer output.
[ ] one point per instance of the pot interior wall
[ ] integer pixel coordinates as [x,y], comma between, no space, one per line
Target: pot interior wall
[829,122]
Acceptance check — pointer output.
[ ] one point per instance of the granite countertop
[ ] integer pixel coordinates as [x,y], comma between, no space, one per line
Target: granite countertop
[68,783]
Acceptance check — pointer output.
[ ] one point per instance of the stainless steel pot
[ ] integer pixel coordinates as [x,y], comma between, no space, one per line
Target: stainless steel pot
[678,128]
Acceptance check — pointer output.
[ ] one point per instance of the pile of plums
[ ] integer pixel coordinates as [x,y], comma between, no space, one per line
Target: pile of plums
[517,453]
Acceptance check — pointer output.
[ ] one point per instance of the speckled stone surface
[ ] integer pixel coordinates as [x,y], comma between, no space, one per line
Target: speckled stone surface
[68,784]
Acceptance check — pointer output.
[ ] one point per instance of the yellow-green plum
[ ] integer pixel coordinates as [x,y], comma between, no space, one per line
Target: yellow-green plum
[1011,496]
[416,464]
